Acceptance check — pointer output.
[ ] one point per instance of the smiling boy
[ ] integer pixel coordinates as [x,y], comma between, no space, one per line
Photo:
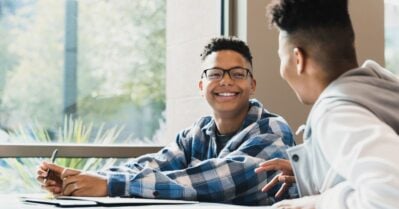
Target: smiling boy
[214,159]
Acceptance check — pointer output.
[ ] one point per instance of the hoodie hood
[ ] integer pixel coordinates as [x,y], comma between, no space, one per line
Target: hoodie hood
[370,86]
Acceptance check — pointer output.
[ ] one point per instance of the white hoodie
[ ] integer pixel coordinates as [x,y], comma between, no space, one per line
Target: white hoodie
[350,152]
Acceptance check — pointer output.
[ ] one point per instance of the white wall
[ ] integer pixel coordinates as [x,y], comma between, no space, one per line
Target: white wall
[190,25]
[271,89]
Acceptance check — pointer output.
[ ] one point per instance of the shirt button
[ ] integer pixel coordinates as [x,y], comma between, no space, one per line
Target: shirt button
[295,157]
[155,193]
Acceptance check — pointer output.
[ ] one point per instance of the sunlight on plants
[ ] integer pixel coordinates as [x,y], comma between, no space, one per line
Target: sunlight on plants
[23,170]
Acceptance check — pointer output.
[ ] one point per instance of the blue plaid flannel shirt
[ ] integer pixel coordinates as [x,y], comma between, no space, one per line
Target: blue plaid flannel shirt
[191,169]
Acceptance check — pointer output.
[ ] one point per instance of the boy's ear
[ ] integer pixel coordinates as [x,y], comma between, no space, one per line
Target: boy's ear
[300,58]
[201,87]
[253,86]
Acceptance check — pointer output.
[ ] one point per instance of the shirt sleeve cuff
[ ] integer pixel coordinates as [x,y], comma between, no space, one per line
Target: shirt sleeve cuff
[118,185]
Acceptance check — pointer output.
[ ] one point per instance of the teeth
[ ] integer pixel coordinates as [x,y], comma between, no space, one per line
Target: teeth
[226,94]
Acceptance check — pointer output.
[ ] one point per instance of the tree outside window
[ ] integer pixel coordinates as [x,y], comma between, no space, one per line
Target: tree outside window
[120,58]
[120,64]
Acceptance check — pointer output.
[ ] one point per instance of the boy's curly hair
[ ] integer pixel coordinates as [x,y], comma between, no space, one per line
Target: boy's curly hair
[227,43]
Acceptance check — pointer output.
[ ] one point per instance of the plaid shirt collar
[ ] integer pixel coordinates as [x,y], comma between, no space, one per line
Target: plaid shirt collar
[254,114]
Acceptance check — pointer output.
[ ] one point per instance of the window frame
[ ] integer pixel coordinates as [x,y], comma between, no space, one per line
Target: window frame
[26,150]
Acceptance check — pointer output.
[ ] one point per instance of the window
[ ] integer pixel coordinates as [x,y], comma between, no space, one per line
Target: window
[391,35]
[78,74]
[96,64]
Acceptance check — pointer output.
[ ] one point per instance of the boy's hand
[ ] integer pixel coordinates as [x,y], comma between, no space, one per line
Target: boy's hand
[286,176]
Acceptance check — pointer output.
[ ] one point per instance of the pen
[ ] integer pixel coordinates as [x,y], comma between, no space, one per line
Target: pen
[52,159]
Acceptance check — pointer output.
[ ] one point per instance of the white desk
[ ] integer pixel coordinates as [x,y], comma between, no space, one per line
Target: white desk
[13,202]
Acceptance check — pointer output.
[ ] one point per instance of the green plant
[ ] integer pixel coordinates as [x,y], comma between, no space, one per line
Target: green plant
[23,170]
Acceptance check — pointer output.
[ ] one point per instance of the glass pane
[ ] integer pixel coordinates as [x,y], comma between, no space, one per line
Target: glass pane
[72,69]
[392,35]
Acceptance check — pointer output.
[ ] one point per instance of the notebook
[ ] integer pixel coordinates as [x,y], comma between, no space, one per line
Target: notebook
[69,201]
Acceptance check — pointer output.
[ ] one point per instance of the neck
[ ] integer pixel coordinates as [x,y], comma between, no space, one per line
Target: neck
[230,123]
[320,75]
[339,70]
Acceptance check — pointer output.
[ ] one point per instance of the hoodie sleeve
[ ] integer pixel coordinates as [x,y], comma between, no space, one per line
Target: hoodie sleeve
[364,151]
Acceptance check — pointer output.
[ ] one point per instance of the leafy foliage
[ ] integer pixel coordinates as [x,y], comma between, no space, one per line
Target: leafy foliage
[23,170]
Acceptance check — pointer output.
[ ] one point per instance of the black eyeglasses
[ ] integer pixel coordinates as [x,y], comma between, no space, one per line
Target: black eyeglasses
[236,73]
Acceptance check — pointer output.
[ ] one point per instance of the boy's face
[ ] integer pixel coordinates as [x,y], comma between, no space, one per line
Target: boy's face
[227,96]
[289,67]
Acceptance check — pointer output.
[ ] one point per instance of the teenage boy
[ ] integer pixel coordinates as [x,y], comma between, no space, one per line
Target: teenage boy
[214,159]
[351,145]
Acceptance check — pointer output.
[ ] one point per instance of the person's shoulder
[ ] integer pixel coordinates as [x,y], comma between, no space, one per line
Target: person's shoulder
[267,120]
[328,108]
[272,119]
[269,124]
[257,108]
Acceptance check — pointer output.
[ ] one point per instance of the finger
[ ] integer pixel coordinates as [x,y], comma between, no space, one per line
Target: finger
[287,182]
[276,164]
[53,189]
[43,181]
[270,162]
[40,179]
[42,175]
[53,167]
[56,190]
[43,168]
[40,171]
[271,184]
[49,183]
[283,189]
[266,168]
[286,179]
